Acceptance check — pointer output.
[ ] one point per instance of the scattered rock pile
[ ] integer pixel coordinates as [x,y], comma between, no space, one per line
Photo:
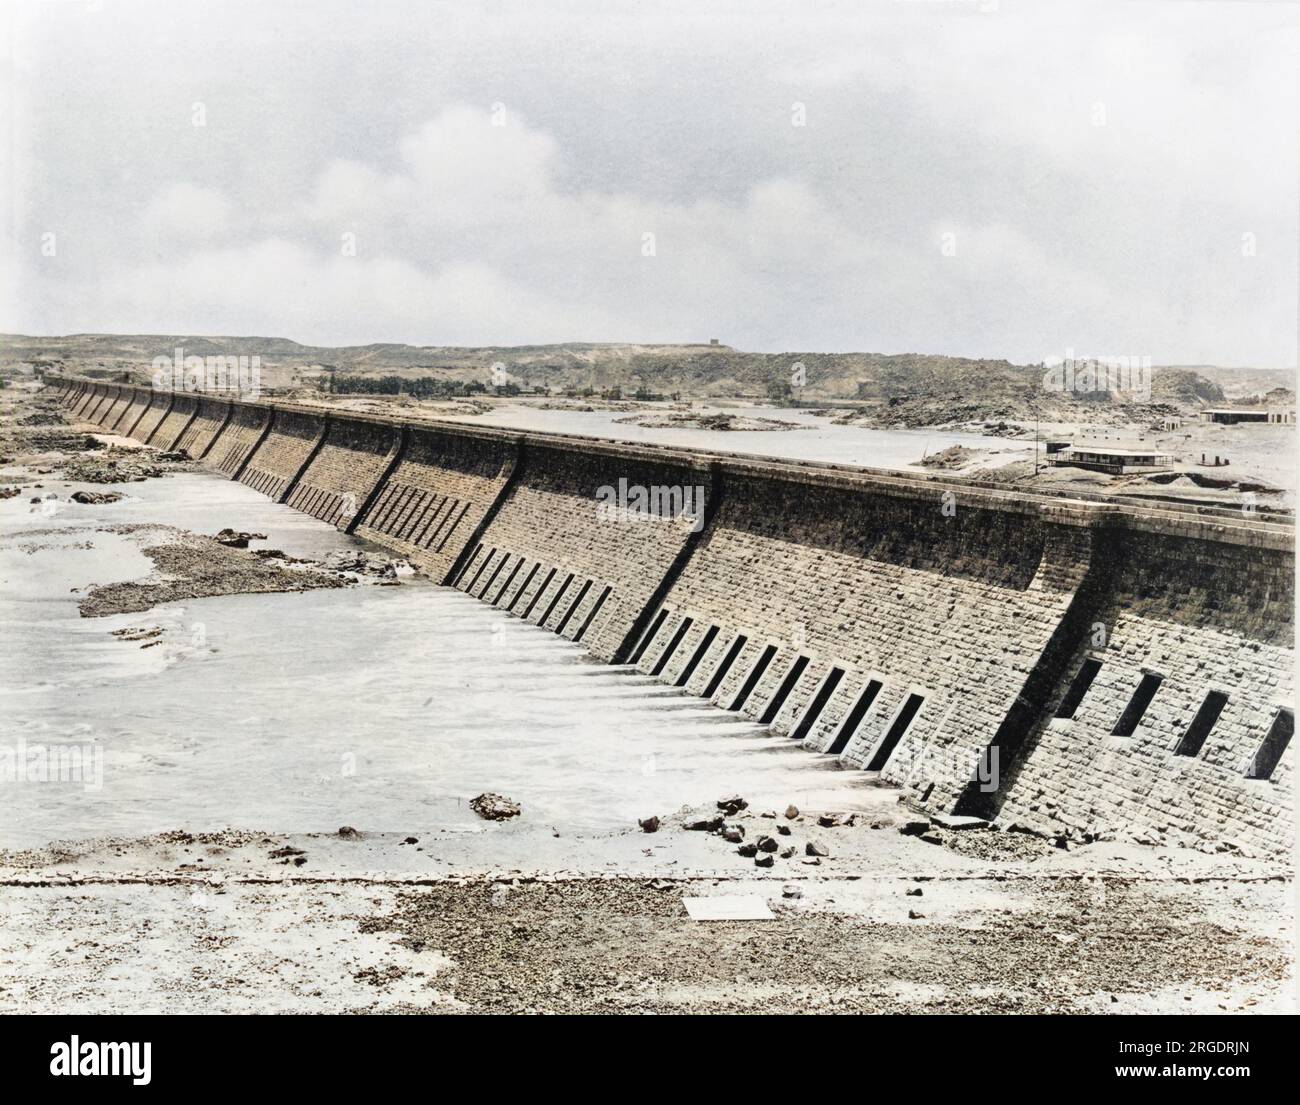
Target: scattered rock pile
[42,418]
[359,562]
[766,848]
[138,633]
[495,807]
[955,456]
[237,539]
[115,466]
[19,440]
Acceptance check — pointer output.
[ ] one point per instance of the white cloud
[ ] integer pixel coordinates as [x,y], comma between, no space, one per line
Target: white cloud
[276,287]
[186,211]
[923,119]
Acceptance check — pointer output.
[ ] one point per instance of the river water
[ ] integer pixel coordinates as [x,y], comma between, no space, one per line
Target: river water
[385,708]
[815,439]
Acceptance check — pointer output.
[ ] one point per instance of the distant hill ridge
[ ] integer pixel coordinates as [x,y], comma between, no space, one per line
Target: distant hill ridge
[968,384]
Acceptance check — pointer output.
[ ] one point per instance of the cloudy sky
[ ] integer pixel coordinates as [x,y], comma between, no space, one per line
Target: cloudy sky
[1000,178]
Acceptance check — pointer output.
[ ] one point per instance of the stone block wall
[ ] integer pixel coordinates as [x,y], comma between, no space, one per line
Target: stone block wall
[202,431]
[73,396]
[183,411]
[103,398]
[352,459]
[548,555]
[238,440]
[92,395]
[438,496]
[140,401]
[82,402]
[1200,617]
[116,408]
[853,604]
[152,417]
[93,401]
[282,454]
[906,626]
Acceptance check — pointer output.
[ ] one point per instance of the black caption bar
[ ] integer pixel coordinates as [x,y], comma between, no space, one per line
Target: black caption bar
[958,1054]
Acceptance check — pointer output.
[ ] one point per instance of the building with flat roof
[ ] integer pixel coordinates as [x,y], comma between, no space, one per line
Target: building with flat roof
[1231,416]
[1103,458]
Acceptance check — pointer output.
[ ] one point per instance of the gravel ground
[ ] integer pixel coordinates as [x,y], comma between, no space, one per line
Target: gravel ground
[623,946]
[463,923]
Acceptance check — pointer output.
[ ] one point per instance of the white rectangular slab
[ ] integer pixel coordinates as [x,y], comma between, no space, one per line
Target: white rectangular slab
[735,907]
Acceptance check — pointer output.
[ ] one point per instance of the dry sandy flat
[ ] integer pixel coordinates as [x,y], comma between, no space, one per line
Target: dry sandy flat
[513,919]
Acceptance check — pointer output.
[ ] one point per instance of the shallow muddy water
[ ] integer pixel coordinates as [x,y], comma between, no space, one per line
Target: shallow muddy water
[385,708]
[816,439]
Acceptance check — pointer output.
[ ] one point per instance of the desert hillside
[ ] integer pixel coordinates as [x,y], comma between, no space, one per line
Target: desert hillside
[913,388]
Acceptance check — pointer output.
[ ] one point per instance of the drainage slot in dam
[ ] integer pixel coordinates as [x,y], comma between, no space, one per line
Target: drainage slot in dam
[406,525]
[407,514]
[540,592]
[650,635]
[754,676]
[851,723]
[418,522]
[819,701]
[396,503]
[1194,739]
[573,609]
[509,580]
[469,563]
[699,655]
[555,601]
[403,521]
[493,577]
[667,653]
[1270,752]
[486,561]
[720,673]
[437,519]
[788,684]
[1137,706]
[591,614]
[520,593]
[450,529]
[388,506]
[1082,681]
[896,731]
[429,529]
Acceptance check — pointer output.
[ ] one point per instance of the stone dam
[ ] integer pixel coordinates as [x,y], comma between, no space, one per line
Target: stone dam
[1073,667]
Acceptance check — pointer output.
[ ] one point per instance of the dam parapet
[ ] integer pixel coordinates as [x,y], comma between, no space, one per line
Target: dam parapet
[1079,668]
